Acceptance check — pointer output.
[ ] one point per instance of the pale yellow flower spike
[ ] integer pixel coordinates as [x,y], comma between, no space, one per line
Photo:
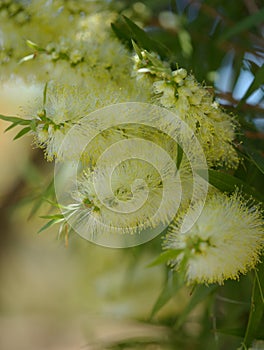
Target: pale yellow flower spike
[180,92]
[224,242]
[128,199]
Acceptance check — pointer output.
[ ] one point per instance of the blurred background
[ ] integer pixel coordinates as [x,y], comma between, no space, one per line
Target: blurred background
[71,294]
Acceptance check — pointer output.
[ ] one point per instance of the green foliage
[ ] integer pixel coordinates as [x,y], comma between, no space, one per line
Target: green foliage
[199,295]
[250,21]
[255,157]
[54,219]
[171,287]
[165,257]
[46,195]
[229,183]
[256,308]
[15,121]
[127,30]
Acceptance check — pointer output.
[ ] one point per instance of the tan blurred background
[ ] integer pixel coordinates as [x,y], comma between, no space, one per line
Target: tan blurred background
[52,297]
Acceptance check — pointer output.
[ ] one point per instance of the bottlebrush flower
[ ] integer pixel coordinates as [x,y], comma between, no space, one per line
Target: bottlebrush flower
[193,103]
[126,197]
[63,107]
[226,240]
[66,105]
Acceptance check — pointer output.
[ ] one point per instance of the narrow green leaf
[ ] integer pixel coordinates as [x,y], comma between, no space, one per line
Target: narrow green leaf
[57,205]
[165,257]
[53,217]
[137,49]
[35,208]
[11,119]
[158,66]
[25,121]
[173,284]
[139,34]
[228,183]
[200,294]
[260,283]
[22,133]
[256,308]
[179,156]
[224,181]
[154,60]
[143,40]
[249,22]
[164,297]
[15,121]
[121,32]
[45,94]
[11,126]
[255,157]
[49,224]
[48,192]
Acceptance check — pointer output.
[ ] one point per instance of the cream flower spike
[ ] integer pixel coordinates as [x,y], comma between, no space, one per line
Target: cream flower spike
[65,107]
[224,242]
[126,198]
[193,103]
